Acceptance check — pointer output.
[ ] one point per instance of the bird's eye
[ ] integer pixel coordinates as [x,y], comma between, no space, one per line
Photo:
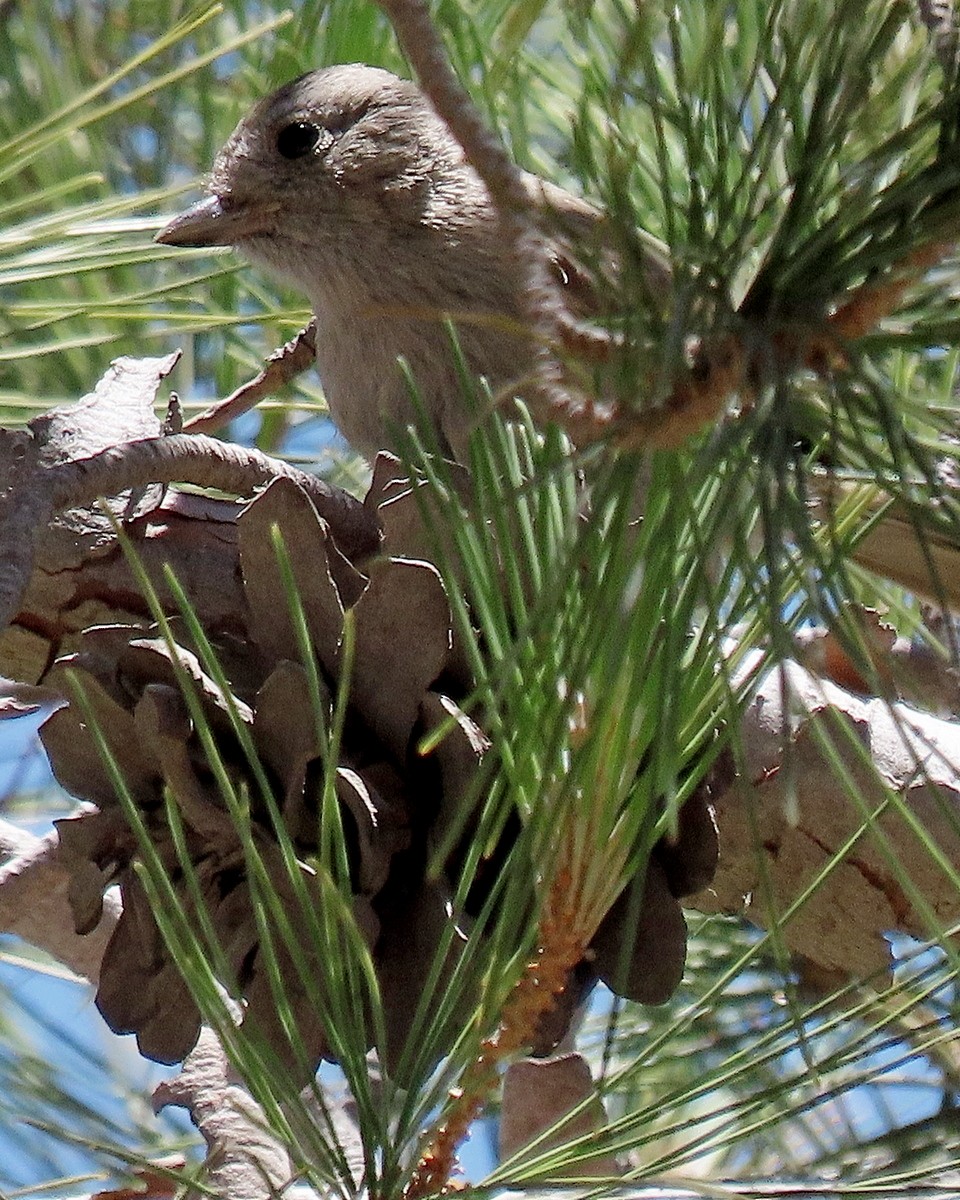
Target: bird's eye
[297,139]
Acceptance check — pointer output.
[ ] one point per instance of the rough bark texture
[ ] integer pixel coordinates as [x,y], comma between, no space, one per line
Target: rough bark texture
[794,810]
[64,567]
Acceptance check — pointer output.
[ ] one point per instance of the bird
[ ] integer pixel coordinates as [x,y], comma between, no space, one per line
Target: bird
[346,185]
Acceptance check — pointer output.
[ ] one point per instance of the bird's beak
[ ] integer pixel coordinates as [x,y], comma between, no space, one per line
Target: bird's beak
[215,222]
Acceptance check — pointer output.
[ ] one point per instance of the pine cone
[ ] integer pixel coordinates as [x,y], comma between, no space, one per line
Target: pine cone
[403,645]
[407,677]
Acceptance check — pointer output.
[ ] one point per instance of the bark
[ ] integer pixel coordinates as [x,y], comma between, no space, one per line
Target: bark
[886,809]
[64,566]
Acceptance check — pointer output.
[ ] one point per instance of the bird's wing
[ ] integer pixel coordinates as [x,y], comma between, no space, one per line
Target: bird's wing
[583,253]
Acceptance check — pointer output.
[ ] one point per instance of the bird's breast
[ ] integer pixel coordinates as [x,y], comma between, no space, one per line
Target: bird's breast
[369,393]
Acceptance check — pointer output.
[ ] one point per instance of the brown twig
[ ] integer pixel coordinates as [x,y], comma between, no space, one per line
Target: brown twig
[423,46]
[283,365]
[728,367]
[874,300]
[696,401]
[725,368]
[41,491]
[208,462]
[561,944]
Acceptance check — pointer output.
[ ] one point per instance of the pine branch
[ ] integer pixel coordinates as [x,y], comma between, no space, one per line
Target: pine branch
[207,462]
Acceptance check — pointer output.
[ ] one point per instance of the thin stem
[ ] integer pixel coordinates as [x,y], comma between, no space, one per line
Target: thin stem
[284,364]
[561,944]
[540,298]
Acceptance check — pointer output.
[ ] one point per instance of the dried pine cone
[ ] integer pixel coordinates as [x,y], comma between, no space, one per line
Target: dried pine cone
[402,646]
[407,677]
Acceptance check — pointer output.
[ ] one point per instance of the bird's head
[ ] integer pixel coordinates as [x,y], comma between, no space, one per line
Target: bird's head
[339,160]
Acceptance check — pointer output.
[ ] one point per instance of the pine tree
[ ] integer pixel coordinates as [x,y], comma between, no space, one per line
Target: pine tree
[416,803]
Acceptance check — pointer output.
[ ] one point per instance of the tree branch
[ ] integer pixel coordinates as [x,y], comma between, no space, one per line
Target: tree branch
[207,462]
[424,47]
[883,816]
[284,364]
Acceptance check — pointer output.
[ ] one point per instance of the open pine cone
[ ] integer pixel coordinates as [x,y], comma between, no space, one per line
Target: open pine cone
[406,678]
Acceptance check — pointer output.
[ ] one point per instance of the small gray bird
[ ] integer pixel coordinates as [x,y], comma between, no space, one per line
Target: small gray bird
[347,185]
